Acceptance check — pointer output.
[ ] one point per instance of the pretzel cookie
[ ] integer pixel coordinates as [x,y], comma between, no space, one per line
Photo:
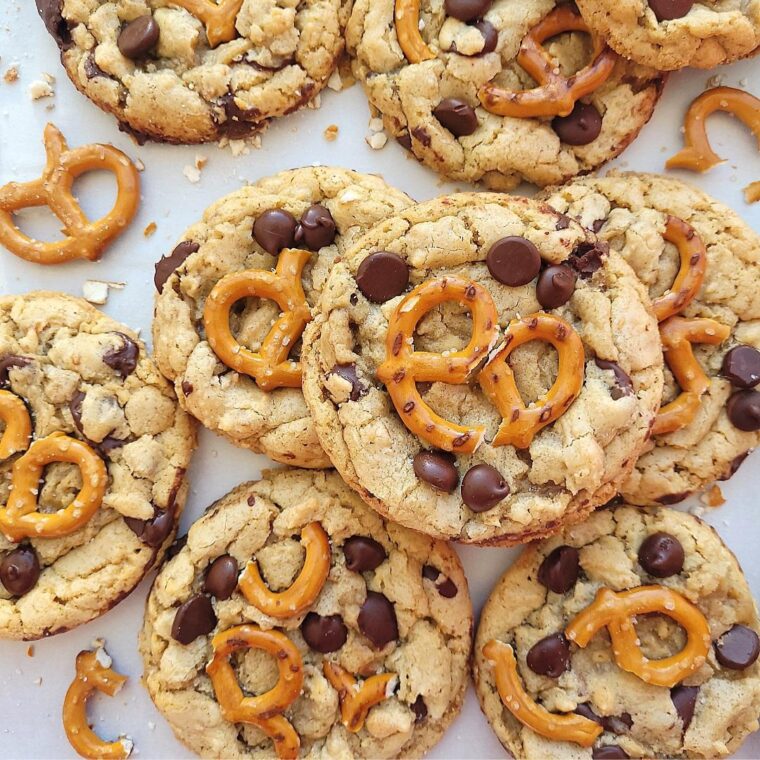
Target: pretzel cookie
[633,634]
[93,454]
[704,281]
[236,293]
[480,369]
[349,635]
[191,71]
[498,92]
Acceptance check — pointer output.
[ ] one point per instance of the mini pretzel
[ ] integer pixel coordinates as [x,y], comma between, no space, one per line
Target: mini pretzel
[677,335]
[563,728]
[520,425]
[18,425]
[265,710]
[85,239]
[270,366]
[404,367]
[304,589]
[698,156]
[614,610]
[218,18]
[20,519]
[693,255]
[557,94]
[406,15]
[356,701]
[91,676]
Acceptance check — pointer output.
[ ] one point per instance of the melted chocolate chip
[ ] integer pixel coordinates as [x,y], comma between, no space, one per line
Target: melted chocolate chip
[9,362]
[419,708]
[138,37]
[466,10]
[563,223]
[155,531]
[737,648]
[377,619]
[667,10]
[20,570]
[674,498]
[50,12]
[348,373]
[324,634]
[196,617]
[108,444]
[456,116]
[685,701]
[274,230]
[240,122]
[490,36]
[363,554]
[91,68]
[124,358]
[178,545]
[317,228]
[513,261]
[743,410]
[616,724]
[221,577]
[167,265]
[741,366]
[661,555]
[608,752]
[437,470]
[382,275]
[405,141]
[587,258]
[580,127]
[483,487]
[550,656]
[445,586]
[555,286]
[559,570]
[734,466]
[624,384]
[187,387]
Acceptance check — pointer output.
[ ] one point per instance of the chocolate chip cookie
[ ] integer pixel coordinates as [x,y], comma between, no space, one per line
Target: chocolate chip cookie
[454,82]
[687,682]
[482,368]
[191,71]
[710,273]
[93,454]
[370,625]
[300,221]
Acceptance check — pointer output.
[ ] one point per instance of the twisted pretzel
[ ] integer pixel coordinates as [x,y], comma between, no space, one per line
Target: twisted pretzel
[677,335]
[304,589]
[85,239]
[563,728]
[356,701]
[265,710]
[520,425]
[270,366]
[556,95]
[614,610]
[404,367]
[406,16]
[91,676]
[20,519]
[218,18]
[18,425]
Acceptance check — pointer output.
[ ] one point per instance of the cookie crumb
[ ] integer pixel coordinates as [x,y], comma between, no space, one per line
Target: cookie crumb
[331,133]
[40,89]
[96,291]
[139,165]
[38,681]
[377,140]
[192,174]
[752,193]
[335,82]
[713,497]
[11,75]
[150,229]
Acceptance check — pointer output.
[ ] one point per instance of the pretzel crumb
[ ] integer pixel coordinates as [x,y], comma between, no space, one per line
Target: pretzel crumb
[331,133]
[150,229]
[11,75]
[752,193]
[139,165]
[713,497]
[30,650]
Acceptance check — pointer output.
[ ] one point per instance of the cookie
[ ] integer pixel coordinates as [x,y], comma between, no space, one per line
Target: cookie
[631,212]
[93,454]
[366,601]
[585,694]
[668,34]
[436,83]
[190,72]
[315,213]
[435,333]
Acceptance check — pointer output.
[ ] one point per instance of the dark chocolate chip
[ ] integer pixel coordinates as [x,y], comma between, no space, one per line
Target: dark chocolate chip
[743,410]
[138,37]
[437,470]
[421,134]
[177,546]
[108,444]
[559,570]
[91,68]
[562,223]
[736,463]
[616,724]
[405,141]
[348,373]
[467,10]
[196,617]
[317,228]
[221,577]
[50,12]
[609,752]
[19,570]
[169,264]
[377,619]
[737,648]
[667,10]
[363,554]
[456,116]
[555,286]
[240,122]
[550,656]
[419,708]
[513,261]
[274,230]
[155,531]
[623,383]
[580,127]
[187,387]
[324,634]
[685,701]
[741,365]
[382,275]
[483,487]
[587,258]
[124,358]
[661,555]
[9,362]
[674,498]
[445,586]
[490,36]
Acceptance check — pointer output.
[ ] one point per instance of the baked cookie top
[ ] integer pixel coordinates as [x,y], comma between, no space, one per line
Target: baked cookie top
[93,453]
[196,70]
[435,333]
[672,34]
[590,701]
[367,599]
[638,215]
[427,80]
[302,219]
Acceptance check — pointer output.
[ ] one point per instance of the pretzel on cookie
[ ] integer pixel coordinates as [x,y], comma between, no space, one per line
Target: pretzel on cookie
[616,610]
[18,425]
[270,366]
[265,710]
[677,335]
[357,700]
[556,95]
[563,728]
[92,675]
[84,239]
[520,425]
[304,589]
[218,18]
[406,16]
[404,367]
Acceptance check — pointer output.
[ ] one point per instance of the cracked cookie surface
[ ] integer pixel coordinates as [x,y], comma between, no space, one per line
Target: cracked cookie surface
[80,373]
[275,422]
[572,465]
[421,579]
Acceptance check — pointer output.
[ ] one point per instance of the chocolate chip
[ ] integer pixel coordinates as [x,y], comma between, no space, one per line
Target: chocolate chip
[50,12]
[483,487]
[169,264]
[324,634]
[405,141]
[124,358]
[513,261]
[19,570]
[348,373]
[736,463]
[7,363]
[741,365]
[194,618]
[490,36]
[737,648]
[624,384]
[419,708]
[580,127]
[445,586]
[108,444]
[616,724]
[274,230]
[377,619]
[91,68]
[317,228]
[422,136]
[667,10]
[155,531]
[240,122]
[382,275]
[563,223]
[456,116]
[138,37]
[661,555]
[221,577]
[559,570]
[684,699]
[437,470]
[187,387]
[467,10]
[587,258]
[608,752]
[555,286]
[674,498]
[550,656]
[363,554]
[177,546]
[744,410]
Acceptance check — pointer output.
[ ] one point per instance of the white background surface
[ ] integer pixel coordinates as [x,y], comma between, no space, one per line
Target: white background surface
[32,688]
